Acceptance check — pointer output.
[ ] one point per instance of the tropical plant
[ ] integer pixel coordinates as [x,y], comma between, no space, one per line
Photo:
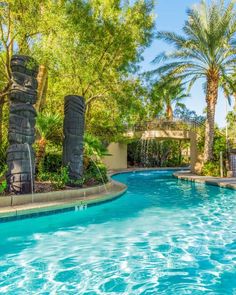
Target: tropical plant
[206,50]
[165,93]
[94,147]
[211,168]
[49,128]
[231,122]
[96,44]
[96,173]
[22,24]
[158,153]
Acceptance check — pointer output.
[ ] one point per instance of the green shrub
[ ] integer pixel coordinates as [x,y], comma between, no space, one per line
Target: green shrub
[3,186]
[3,170]
[93,147]
[96,173]
[3,183]
[157,153]
[219,144]
[52,162]
[211,169]
[3,157]
[60,179]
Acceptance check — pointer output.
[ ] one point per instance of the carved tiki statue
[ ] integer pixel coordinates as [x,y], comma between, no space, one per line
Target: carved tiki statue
[74,108]
[21,135]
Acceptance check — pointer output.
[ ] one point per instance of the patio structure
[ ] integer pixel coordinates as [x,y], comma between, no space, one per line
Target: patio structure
[160,130]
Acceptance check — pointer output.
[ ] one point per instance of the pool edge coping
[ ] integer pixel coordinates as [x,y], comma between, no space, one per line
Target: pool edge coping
[66,201]
[19,207]
[136,170]
[229,183]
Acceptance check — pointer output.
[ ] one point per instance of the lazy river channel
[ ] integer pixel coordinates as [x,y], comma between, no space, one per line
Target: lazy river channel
[163,236]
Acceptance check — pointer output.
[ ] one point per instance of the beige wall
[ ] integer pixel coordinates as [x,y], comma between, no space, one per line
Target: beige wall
[166,134]
[118,158]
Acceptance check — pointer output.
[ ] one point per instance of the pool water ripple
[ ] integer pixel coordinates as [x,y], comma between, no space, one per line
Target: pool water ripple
[164,236]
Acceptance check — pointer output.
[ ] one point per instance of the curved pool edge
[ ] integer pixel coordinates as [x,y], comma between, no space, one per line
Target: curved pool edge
[59,201]
[229,183]
[19,207]
[136,170]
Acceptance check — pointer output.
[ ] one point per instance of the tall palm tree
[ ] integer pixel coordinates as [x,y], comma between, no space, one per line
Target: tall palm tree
[168,90]
[205,50]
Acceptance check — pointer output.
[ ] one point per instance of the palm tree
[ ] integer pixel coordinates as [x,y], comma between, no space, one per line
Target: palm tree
[205,50]
[167,91]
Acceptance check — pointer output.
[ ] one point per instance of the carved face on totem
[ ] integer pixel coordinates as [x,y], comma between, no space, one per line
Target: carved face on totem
[23,88]
[24,64]
[74,157]
[23,80]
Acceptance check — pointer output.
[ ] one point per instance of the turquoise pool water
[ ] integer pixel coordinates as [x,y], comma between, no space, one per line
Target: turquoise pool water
[164,236]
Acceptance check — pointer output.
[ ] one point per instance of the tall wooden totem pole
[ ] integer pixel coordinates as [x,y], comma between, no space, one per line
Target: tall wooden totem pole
[74,108]
[21,136]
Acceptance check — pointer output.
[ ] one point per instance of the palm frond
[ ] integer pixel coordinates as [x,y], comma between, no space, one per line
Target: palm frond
[208,43]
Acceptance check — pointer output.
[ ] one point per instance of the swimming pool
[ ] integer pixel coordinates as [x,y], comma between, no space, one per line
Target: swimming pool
[163,236]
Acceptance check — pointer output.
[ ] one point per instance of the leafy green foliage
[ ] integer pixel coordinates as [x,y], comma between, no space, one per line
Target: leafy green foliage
[59,179]
[52,161]
[96,173]
[3,186]
[231,121]
[206,44]
[158,153]
[166,93]
[93,147]
[211,169]
[219,144]
[3,183]
[89,48]
[49,126]
[94,50]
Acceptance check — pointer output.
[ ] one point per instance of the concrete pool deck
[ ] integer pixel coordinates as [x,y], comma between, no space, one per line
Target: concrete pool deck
[217,181]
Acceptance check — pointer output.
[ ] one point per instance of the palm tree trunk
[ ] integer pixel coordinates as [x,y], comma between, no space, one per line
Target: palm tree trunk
[41,152]
[211,100]
[1,122]
[42,87]
[180,152]
[2,103]
[169,112]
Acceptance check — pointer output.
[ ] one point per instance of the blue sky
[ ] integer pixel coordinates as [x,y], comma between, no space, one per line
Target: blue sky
[170,16]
